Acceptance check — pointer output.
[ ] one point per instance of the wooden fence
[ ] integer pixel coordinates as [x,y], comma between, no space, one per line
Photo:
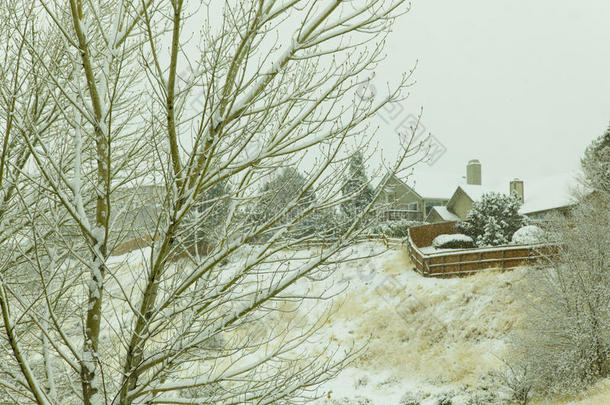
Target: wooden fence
[388,242]
[453,263]
[461,262]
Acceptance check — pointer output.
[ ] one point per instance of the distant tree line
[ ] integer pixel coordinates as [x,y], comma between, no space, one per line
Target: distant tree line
[286,182]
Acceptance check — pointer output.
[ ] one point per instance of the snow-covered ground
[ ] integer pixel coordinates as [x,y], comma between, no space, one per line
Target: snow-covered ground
[432,341]
[428,341]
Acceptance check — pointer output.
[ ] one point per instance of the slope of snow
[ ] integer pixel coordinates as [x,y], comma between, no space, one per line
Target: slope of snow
[429,338]
[428,341]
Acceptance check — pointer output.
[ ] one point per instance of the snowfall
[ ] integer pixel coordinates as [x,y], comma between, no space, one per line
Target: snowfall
[426,341]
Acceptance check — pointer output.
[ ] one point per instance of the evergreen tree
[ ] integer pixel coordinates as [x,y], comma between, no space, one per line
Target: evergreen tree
[356,188]
[493,234]
[494,219]
[211,212]
[596,163]
[278,193]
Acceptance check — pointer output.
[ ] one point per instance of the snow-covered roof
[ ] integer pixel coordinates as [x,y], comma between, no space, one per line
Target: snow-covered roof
[445,214]
[549,192]
[475,192]
[433,186]
[430,190]
[540,194]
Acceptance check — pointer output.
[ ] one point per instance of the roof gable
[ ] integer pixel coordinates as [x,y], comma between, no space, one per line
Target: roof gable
[444,213]
[456,195]
[393,181]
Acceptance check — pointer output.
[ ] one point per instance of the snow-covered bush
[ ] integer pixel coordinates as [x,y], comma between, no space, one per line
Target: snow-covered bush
[528,235]
[328,223]
[453,241]
[516,381]
[493,219]
[394,229]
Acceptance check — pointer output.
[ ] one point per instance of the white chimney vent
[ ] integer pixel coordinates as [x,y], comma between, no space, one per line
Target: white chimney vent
[473,172]
[516,187]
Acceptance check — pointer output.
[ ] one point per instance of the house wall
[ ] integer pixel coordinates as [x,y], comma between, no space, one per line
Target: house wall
[400,196]
[398,199]
[399,202]
[461,204]
[546,214]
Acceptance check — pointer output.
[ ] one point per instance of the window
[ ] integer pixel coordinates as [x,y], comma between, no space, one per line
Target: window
[413,206]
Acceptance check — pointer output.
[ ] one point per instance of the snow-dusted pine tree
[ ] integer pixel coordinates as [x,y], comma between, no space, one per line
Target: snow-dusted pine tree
[493,219]
[279,192]
[357,189]
[493,234]
[209,216]
[152,121]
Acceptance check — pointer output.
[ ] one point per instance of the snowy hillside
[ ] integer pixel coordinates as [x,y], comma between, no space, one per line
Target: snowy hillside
[429,338]
[432,341]
[428,341]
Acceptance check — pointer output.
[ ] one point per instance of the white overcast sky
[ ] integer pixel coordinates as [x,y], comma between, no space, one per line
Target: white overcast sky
[523,86]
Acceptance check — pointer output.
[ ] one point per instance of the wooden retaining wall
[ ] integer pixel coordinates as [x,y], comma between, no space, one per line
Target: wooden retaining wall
[462,262]
[423,235]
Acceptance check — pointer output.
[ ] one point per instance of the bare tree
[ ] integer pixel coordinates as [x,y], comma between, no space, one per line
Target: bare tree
[566,339]
[515,380]
[120,121]
[596,163]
